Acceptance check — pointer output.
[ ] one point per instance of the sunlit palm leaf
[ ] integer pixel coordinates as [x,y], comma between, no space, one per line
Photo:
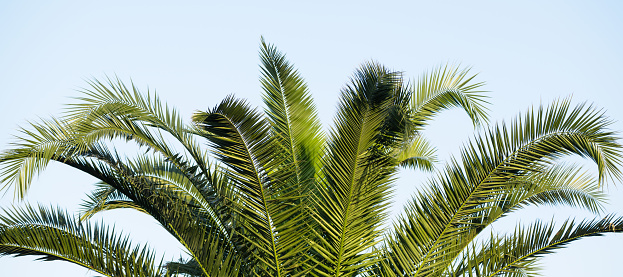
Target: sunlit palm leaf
[282,203]
[352,202]
[33,150]
[297,130]
[439,218]
[117,99]
[559,185]
[69,147]
[291,112]
[500,257]
[114,110]
[446,87]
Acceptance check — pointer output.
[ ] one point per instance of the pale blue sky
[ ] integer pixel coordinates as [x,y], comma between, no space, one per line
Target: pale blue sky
[194,54]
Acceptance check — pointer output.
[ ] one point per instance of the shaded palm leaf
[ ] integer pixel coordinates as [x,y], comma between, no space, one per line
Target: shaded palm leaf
[417,153]
[104,198]
[54,235]
[242,142]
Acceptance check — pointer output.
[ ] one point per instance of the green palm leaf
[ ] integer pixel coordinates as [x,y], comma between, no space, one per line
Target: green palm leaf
[33,150]
[520,250]
[108,112]
[418,153]
[65,145]
[104,198]
[561,184]
[297,131]
[282,201]
[242,142]
[119,100]
[54,235]
[446,87]
[352,201]
[439,219]
[291,113]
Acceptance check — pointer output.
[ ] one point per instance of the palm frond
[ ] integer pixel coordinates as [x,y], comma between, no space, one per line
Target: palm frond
[561,184]
[418,153]
[114,110]
[34,149]
[291,113]
[54,235]
[105,197]
[204,236]
[427,236]
[447,87]
[499,257]
[242,142]
[77,144]
[117,100]
[297,131]
[352,202]
[176,210]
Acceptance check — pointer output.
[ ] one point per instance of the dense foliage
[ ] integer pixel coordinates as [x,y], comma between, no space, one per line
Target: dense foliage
[273,195]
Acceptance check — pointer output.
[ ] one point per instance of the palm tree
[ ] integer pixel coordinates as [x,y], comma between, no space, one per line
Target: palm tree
[272,195]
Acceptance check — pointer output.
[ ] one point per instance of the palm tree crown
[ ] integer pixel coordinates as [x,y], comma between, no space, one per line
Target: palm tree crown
[273,195]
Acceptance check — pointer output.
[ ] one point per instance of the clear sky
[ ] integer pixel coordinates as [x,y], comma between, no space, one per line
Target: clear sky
[193,54]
